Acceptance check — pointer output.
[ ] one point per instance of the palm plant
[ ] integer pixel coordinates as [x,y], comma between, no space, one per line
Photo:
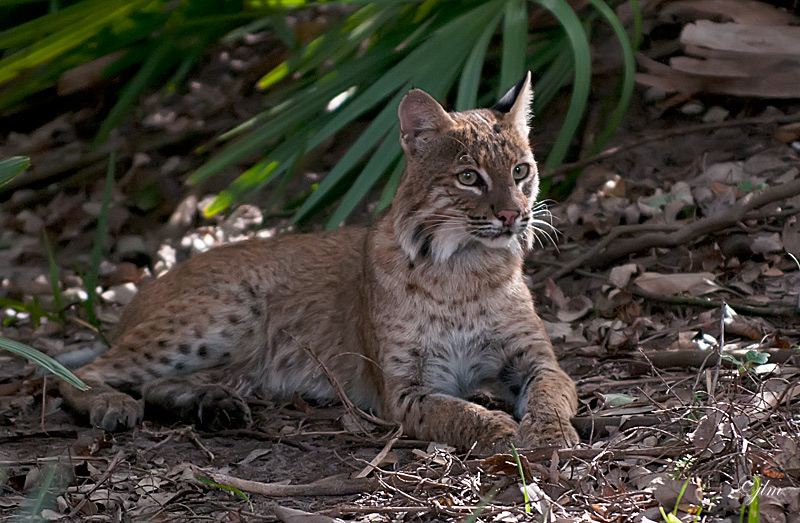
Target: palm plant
[367,63]
[472,50]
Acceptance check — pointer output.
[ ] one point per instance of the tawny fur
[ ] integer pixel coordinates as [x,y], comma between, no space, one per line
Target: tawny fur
[411,316]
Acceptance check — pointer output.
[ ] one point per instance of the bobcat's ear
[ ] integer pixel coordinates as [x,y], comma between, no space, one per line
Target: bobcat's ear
[516,104]
[419,115]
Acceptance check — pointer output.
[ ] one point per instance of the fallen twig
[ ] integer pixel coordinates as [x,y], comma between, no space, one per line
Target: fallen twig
[610,248]
[741,308]
[355,412]
[372,465]
[258,434]
[668,133]
[696,358]
[616,454]
[333,486]
[102,479]
[699,228]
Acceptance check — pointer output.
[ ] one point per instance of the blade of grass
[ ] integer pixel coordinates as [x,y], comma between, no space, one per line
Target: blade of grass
[43,360]
[467,95]
[227,488]
[321,49]
[64,40]
[36,507]
[583,76]
[553,78]
[54,283]
[90,279]
[12,167]
[522,477]
[276,123]
[391,186]
[258,176]
[377,129]
[152,66]
[441,43]
[628,71]
[380,161]
[636,37]
[37,28]
[754,507]
[515,33]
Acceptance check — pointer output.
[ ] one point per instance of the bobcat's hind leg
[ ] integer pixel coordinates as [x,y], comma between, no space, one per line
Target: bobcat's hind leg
[198,399]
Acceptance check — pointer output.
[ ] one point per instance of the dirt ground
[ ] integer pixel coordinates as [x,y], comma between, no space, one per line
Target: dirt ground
[670,294]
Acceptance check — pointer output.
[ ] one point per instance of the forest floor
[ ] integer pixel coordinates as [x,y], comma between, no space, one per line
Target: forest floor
[670,296]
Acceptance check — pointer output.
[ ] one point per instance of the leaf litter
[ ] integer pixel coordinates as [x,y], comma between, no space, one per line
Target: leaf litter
[683,346]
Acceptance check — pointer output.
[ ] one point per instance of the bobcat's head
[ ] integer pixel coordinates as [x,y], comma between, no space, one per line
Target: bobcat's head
[471,179]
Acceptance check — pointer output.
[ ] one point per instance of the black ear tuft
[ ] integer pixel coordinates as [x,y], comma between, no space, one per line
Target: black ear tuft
[507,101]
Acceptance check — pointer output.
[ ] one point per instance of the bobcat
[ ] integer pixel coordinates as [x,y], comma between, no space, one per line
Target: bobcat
[411,315]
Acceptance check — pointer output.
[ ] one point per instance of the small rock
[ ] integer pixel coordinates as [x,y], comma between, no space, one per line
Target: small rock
[767,244]
[131,245]
[30,222]
[716,114]
[121,294]
[693,108]
[654,94]
[74,294]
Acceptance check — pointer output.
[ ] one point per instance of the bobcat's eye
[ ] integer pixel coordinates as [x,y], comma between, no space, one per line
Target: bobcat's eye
[521,171]
[468,177]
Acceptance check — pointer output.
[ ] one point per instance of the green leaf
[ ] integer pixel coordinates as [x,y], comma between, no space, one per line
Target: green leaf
[583,76]
[443,48]
[54,284]
[43,360]
[377,165]
[38,28]
[296,111]
[515,36]
[467,97]
[628,71]
[100,233]
[432,66]
[374,132]
[617,400]
[65,39]
[151,67]
[757,358]
[259,175]
[390,188]
[11,167]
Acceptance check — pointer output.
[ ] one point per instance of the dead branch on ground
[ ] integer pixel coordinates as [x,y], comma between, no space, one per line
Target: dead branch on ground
[610,248]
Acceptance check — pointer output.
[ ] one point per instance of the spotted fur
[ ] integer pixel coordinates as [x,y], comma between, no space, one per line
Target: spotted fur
[412,315]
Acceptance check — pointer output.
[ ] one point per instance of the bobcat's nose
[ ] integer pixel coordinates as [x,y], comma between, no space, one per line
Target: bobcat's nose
[508,216]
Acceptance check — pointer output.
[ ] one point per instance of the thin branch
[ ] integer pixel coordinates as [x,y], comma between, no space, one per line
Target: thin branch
[333,486]
[610,248]
[669,133]
[97,484]
[741,308]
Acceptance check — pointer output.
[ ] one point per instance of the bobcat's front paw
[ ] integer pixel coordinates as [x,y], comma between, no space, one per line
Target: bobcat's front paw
[546,433]
[221,408]
[497,435]
[115,411]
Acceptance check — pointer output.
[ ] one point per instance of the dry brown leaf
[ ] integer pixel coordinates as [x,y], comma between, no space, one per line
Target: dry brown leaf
[621,275]
[790,236]
[576,308]
[667,491]
[747,12]
[788,133]
[769,41]
[695,283]
[292,515]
